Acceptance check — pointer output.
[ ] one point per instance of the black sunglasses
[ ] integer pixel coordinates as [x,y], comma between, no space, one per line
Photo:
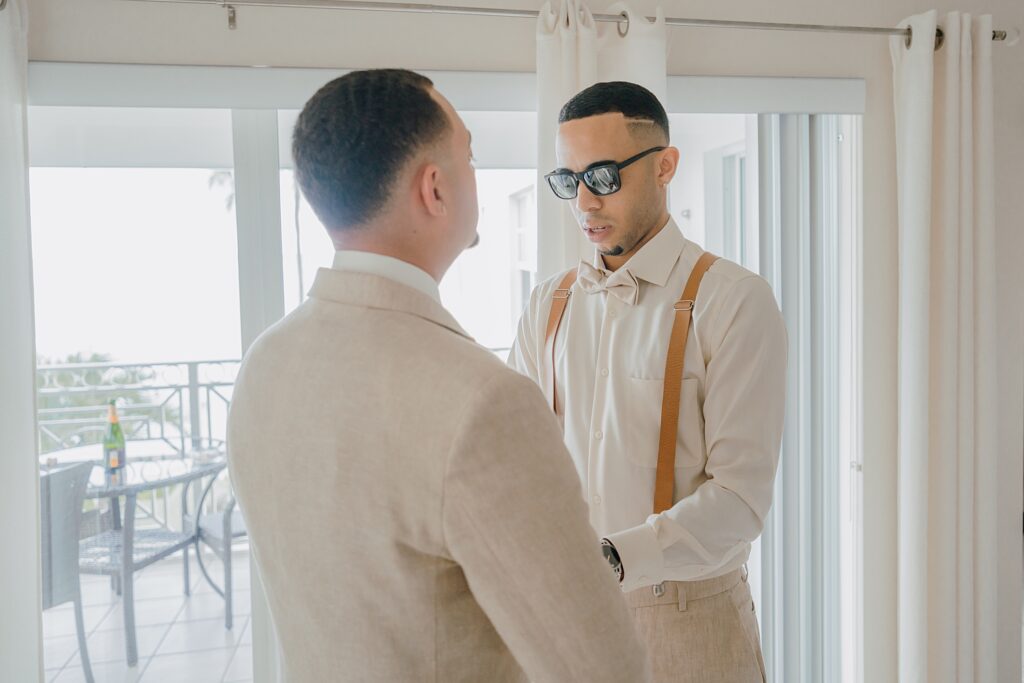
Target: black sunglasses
[601,178]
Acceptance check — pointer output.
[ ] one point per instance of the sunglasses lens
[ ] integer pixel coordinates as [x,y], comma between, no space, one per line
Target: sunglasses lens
[603,180]
[563,185]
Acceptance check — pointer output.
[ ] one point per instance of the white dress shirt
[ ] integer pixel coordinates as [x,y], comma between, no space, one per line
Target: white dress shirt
[610,357]
[386,266]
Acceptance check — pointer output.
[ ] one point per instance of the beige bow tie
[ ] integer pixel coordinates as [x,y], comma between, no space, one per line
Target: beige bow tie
[620,284]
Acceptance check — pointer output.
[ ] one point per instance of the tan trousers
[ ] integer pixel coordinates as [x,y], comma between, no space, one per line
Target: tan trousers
[700,631]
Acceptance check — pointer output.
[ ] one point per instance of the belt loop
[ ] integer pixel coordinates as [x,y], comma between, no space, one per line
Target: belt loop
[681,589]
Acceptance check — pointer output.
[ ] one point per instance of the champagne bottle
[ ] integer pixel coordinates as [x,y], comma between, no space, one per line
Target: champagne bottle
[113,442]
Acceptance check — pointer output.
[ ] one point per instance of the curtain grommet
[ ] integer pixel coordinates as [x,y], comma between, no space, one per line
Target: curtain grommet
[618,25]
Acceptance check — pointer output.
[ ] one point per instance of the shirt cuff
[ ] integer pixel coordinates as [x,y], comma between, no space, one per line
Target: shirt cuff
[642,560]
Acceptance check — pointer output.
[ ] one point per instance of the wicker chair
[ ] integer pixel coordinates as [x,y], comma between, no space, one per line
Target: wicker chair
[62,492]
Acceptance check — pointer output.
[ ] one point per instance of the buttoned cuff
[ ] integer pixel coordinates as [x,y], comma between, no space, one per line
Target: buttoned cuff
[642,559]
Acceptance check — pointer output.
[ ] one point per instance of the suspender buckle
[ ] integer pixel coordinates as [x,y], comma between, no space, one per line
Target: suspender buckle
[561,294]
[659,589]
[683,305]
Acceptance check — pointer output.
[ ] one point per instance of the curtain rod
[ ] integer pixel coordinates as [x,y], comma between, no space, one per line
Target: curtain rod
[619,19]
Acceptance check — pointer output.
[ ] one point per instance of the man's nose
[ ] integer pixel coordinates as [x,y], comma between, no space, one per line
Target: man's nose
[586,201]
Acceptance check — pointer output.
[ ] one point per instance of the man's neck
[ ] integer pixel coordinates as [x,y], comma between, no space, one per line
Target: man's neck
[613,263]
[370,242]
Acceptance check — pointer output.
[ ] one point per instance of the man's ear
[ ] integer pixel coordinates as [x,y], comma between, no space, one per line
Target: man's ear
[668,163]
[430,190]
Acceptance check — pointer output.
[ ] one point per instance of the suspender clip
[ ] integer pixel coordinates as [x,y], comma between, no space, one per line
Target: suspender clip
[683,305]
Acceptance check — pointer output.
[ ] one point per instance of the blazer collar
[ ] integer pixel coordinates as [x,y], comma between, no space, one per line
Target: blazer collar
[375,291]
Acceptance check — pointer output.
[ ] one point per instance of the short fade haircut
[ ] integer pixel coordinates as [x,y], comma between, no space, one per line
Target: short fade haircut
[635,102]
[354,137]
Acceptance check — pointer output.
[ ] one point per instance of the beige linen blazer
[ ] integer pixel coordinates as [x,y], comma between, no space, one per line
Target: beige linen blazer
[412,509]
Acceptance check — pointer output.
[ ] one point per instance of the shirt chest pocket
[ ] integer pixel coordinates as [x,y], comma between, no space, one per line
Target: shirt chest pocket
[643,423]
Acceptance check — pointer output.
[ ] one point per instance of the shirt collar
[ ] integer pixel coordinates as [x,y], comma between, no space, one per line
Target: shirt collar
[656,259]
[348,260]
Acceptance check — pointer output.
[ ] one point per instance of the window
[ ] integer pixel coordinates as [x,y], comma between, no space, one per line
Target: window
[779,195]
[137,301]
[769,177]
[523,213]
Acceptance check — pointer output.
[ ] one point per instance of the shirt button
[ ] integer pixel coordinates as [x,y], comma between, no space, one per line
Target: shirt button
[598,434]
[604,372]
[597,500]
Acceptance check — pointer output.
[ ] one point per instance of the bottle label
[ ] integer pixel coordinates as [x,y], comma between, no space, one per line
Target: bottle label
[114,459]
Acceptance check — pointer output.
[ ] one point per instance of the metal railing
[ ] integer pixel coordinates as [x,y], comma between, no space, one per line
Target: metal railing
[177,405]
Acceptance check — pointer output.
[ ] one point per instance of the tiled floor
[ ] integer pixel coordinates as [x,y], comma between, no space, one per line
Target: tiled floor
[180,639]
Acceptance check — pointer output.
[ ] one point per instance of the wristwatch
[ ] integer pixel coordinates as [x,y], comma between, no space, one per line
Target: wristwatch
[612,555]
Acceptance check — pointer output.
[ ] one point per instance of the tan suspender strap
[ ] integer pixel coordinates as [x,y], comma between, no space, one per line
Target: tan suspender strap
[665,479]
[559,300]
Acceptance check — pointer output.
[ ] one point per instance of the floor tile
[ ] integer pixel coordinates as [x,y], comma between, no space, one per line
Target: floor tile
[192,667]
[160,585]
[108,672]
[193,636]
[108,646]
[183,638]
[210,605]
[147,613]
[60,621]
[240,668]
[247,633]
[57,651]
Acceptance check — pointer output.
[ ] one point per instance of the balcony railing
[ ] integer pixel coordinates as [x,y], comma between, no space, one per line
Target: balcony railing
[178,406]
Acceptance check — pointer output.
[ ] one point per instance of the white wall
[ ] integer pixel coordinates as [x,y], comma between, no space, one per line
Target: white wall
[695,134]
[120,31]
[21,656]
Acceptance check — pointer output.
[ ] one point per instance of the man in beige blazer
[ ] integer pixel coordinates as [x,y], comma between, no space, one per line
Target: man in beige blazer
[405,492]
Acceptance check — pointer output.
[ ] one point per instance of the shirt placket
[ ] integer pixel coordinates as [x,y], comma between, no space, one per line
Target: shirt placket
[598,436]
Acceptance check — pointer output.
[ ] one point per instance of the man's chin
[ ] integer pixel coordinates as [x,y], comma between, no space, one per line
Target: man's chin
[475,242]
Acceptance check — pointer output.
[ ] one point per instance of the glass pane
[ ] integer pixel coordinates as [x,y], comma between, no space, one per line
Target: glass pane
[484,288]
[305,245]
[137,303]
[705,196]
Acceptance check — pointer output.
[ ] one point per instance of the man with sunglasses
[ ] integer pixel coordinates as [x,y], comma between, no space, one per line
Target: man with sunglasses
[667,369]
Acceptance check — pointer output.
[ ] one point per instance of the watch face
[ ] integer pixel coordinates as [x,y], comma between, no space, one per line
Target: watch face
[609,553]
[612,556]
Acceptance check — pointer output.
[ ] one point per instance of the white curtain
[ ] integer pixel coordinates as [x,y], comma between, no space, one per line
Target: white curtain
[574,52]
[20,628]
[947,351]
